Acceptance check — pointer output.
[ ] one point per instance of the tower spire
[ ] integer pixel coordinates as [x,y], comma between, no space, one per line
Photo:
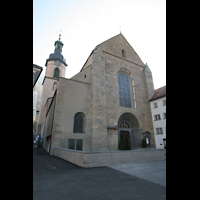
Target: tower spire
[60,35]
[57,55]
[58,45]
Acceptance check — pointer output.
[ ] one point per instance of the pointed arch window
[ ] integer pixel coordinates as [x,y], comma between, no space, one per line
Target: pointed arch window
[124,90]
[123,53]
[56,72]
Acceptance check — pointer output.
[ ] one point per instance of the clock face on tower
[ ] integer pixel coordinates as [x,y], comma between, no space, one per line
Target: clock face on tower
[57,62]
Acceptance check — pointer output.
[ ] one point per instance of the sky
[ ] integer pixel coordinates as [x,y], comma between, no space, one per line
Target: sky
[86,23]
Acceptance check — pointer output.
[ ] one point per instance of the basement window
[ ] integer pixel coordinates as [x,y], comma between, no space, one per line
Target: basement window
[79,144]
[75,144]
[71,144]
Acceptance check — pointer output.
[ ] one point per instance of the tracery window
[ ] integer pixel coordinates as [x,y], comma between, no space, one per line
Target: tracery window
[124,124]
[124,90]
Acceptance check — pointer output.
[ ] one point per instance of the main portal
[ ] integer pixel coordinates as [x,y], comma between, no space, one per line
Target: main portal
[125,137]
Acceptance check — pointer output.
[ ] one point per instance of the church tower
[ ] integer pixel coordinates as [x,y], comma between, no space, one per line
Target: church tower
[55,68]
[56,63]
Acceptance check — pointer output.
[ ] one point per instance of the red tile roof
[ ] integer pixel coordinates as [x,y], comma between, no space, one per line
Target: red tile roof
[160,92]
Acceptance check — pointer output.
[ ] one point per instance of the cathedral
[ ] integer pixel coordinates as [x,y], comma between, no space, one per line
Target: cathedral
[104,105]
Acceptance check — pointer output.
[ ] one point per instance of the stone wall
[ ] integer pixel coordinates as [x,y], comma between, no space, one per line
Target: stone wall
[99,103]
[106,63]
[72,97]
[107,158]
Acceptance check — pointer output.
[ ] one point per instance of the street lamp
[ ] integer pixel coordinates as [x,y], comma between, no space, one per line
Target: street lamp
[37,113]
[38,136]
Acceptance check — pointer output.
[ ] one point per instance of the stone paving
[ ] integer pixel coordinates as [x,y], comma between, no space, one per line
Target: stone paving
[57,179]
[151,171]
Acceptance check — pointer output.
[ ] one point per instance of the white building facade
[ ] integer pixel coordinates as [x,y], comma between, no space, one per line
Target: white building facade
[158,111]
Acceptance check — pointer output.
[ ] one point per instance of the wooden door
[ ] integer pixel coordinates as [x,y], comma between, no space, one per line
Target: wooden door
[124,136]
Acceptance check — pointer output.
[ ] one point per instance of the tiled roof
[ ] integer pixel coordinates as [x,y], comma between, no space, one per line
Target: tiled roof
[160,92]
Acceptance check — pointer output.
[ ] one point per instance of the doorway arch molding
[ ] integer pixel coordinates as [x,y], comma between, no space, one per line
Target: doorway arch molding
[134,129]
[130,118]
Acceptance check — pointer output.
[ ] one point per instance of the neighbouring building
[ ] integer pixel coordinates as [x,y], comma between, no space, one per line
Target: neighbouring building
[107,101]
[37,70]
[158,111]
[35,96]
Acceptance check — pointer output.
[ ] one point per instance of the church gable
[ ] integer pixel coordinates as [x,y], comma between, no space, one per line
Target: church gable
[119,46]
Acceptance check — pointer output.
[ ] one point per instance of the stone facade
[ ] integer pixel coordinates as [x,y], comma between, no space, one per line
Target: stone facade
[94,93]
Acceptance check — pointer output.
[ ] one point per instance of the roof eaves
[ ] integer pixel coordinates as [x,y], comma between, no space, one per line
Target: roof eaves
[152,99]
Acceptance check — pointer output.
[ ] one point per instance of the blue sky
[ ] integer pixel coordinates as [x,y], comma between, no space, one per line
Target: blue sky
[87,23]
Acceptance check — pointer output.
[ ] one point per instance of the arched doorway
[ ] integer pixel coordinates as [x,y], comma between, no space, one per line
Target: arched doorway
[129,131]
[125,134]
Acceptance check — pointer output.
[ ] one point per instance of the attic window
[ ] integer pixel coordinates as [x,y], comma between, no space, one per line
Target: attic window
[123,53]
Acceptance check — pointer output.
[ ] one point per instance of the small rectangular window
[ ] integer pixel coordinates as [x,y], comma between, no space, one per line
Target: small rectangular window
[155,105]
[79,144]
[71,144]
[159,131]
[164,115]
[75,144]
[156,117]
[164,102]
